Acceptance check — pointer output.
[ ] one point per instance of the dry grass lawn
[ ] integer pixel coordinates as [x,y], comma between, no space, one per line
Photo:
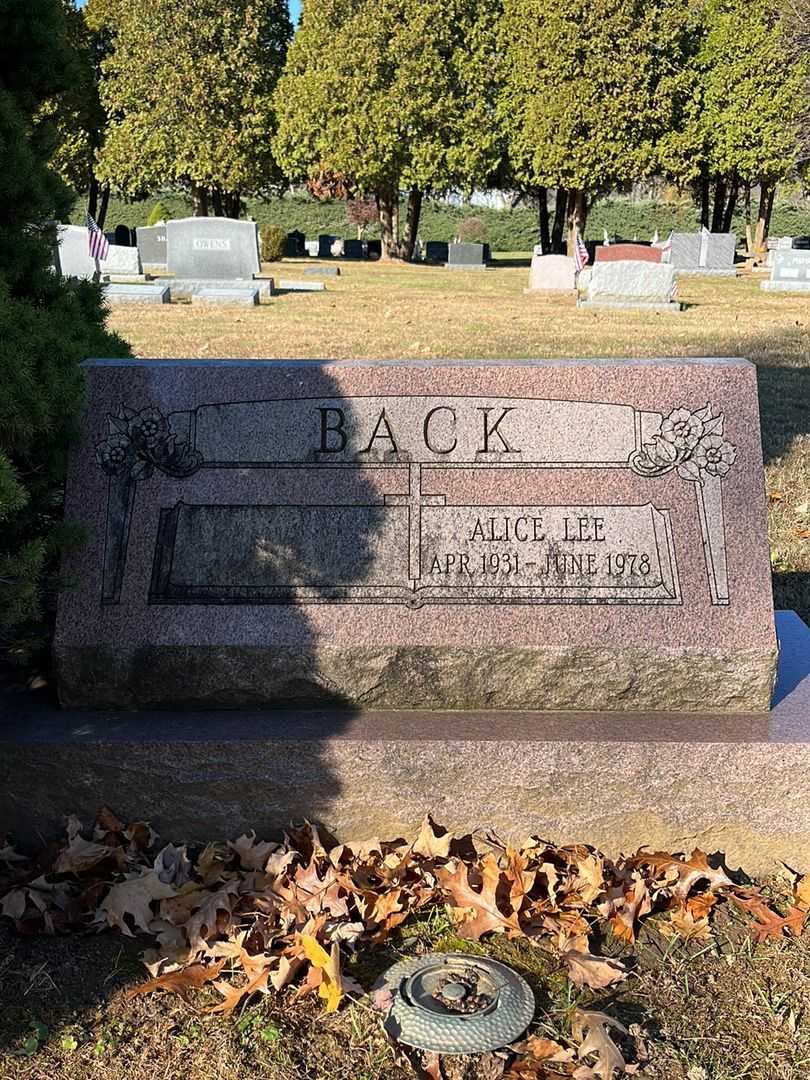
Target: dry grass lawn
[379,311]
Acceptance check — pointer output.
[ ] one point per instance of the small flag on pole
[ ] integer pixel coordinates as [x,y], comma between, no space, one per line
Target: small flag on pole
[581,257]
[97,242]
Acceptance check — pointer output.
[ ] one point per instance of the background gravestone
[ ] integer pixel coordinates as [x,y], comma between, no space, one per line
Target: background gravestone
[467,256]
[294,245]
[122,236]
[631,284]
[555,273]
[151,241]
[637,252]
[211,247]
[790,272]
[73,256]
[374,249]
[537,534]
[325,241]
[354,249]
[436,251]
[685,251]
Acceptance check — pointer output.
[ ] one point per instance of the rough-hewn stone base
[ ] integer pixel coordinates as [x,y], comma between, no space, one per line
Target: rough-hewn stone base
[688,680]
[737,783]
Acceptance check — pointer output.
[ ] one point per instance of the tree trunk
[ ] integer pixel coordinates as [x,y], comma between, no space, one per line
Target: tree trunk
[388,208]
[719,205]
[92,198]
[233,204]
[544,237]
[558,228]
[216,202]
[199,196]
[102,210]
[576,217]
[704,199]
[413,214]
[749,236]
[731,204]
[766,194]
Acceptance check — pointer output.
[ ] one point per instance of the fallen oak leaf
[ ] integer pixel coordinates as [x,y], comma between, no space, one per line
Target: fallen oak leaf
[81,855]
[773,925]
[233,995]
[590,1029]
[586,969]
[179,982]
[688,871]
[133,898]
[328,965]
[477,913]
[254,854]
[801,892]
[685,925]
[433,841]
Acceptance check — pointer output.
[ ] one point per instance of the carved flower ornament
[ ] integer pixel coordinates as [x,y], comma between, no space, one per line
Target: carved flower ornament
[691,443]
[140,442]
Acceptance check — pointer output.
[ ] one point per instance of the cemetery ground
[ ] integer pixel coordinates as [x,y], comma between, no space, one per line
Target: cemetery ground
[716,1007]
[379,311]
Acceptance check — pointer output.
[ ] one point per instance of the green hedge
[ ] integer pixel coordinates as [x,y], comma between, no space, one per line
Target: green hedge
[507,230]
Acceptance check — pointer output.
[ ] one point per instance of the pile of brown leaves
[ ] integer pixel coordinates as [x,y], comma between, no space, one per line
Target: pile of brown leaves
[252,915]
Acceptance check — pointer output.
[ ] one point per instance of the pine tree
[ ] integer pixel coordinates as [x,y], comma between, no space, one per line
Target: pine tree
[580,101]
[391,96]
[188,88]
[47,326]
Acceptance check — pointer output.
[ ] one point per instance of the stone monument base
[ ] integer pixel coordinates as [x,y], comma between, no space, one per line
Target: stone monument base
[785,286]
[639,305]
[740,784]
[186,287]
[706,271]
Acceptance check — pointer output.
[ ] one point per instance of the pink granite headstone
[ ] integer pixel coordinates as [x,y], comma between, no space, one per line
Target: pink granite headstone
[620,252]
[515,535]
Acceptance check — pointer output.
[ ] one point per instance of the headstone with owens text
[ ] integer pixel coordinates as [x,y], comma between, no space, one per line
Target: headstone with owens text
[212,247]
[552,535]
[790,271]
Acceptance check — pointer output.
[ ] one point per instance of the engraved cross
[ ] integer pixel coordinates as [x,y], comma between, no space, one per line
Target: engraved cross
[415,500]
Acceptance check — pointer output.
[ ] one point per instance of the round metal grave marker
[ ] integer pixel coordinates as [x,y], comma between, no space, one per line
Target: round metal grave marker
[454,1003]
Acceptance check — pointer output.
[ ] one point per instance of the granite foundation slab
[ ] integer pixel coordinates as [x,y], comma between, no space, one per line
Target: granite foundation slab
[739,784]
[187,287]
[671,306]
[785,286]
[705,271]
[220,297]
[116,293]
[286,285]
[127,279]
[542,535]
